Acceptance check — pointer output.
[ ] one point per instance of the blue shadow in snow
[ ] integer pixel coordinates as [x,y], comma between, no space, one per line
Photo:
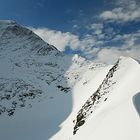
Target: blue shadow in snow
[136,101]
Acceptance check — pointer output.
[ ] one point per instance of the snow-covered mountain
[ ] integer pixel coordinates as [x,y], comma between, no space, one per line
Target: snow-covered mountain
[45,94]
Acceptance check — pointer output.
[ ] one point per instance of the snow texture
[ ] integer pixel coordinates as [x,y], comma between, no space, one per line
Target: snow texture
[45,94]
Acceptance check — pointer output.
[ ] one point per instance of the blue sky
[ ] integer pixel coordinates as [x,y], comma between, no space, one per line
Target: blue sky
[54,14]
[101,29]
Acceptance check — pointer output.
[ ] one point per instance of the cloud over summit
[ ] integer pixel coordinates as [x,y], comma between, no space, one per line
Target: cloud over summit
[102,41]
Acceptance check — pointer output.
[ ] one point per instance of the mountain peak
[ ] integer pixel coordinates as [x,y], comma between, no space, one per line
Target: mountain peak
[127,60]
[23,38]
[7,22]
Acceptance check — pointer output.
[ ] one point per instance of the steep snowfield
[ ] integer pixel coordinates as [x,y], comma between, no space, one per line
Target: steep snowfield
[118,116]
[45,94]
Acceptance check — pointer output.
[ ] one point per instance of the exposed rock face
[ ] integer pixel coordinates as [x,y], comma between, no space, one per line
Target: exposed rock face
[100,95]
[16,93]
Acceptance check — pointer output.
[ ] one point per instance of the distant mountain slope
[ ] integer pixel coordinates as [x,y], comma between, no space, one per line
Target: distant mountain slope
[36,81]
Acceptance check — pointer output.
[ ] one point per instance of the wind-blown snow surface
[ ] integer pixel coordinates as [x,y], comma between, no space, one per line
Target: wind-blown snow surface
[115,117]
[45,94]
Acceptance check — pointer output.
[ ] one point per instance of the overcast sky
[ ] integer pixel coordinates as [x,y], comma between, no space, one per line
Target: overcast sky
[101,30]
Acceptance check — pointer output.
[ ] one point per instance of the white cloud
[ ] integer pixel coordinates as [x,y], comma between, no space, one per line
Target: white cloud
[62,40]
[110,55]
[96,28]
[94,45]
[128,10]
[57,38]
[75,26]
[129,48]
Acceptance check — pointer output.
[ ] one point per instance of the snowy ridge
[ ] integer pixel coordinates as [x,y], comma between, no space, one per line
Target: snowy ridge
[115,92]
[100,95]
[116,112]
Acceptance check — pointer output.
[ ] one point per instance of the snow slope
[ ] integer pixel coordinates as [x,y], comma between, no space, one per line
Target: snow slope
[113,116]
[45,94]
[118,118]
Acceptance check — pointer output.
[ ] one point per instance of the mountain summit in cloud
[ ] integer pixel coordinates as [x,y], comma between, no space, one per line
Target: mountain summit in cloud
[48,95]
